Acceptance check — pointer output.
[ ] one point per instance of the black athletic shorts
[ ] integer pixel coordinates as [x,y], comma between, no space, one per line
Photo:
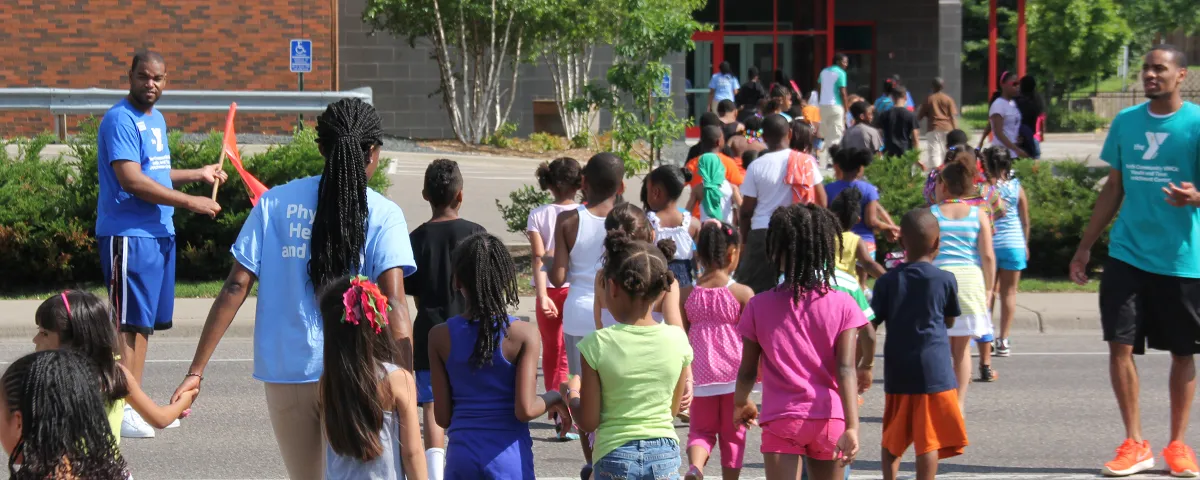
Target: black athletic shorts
[754,269]
[1140,308]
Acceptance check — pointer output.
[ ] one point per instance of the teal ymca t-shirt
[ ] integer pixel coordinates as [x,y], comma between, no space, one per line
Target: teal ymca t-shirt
[1150,151]
[274,244]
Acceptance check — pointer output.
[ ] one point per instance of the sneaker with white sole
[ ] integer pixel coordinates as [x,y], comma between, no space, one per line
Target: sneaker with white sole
[133,426]
[1001,348]
[174,424]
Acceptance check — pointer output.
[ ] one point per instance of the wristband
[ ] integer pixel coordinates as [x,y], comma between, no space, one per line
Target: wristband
[197,375]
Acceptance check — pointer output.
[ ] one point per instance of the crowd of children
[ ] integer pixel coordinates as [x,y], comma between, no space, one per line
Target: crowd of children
[641,318]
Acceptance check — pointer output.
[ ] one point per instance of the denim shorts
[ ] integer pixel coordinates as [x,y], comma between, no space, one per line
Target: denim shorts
[654,459]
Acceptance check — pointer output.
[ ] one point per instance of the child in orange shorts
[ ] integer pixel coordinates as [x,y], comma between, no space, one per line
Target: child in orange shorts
[919,302]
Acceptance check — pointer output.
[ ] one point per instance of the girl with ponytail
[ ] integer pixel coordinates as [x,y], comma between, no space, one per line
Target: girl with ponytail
[368,404]
[483,366]
[301,237]
[630,220]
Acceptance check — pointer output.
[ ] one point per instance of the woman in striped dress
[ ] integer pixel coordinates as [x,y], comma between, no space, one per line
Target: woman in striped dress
[966,251]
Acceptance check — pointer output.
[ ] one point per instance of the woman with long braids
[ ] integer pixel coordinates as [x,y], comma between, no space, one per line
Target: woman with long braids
[302,236]
[53,424]
[804,333]
[483,365]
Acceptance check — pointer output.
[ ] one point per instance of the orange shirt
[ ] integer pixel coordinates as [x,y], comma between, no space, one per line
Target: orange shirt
[734,174]
[812,114]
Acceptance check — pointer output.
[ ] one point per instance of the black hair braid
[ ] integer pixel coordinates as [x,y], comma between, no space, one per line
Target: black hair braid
[65,431]
[485,270]
[713,243]
[347,131]
[846,206]
[996,162]
[828,242]
[638,268]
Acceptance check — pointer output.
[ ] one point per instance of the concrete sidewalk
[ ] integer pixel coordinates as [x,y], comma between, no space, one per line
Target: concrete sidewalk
[1036,312]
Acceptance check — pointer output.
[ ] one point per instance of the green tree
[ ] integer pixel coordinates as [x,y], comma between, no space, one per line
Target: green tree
[975,36]
[1073,41]
[478,46]
[1149,18]
[644,33]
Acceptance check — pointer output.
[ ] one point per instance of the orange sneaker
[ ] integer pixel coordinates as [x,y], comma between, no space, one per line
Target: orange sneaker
[1181,460]
[1132,457]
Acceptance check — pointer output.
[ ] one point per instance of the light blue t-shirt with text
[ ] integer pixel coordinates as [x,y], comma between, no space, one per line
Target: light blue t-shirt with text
[1151,151]
[724,86]
[275,244]
[127,133]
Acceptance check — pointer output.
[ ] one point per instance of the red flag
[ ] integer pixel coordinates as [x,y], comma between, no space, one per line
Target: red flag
[229,145]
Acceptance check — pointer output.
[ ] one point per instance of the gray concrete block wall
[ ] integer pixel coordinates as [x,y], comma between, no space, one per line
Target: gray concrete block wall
[916,39]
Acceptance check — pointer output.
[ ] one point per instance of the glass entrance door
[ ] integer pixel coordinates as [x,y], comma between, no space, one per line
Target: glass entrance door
[742,51]
[699,67]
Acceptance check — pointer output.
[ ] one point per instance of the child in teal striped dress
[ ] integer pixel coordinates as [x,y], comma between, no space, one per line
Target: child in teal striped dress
[966,252]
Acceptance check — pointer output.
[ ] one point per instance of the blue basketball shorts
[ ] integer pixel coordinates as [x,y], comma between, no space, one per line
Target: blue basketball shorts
[140,275]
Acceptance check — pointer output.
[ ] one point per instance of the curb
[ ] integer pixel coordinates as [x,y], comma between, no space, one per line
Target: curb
[1035,313]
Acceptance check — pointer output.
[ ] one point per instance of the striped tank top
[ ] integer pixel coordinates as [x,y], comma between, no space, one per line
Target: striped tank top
[1010,234]
[959,239]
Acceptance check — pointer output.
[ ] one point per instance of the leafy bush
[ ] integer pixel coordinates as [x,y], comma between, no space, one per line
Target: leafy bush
[1062,119]
[1061,196]
[546,142]
[47,228]
[502,138]
[583,139]
[523,200]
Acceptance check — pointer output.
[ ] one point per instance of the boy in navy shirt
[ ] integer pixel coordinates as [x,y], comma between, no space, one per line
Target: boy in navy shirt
[919,302]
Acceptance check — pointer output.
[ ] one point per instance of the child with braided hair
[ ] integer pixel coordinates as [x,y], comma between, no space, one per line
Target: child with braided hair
[710,314]
[484,370]
[630,219]
[804,333]
[369,405]
[45,398]
[635,372]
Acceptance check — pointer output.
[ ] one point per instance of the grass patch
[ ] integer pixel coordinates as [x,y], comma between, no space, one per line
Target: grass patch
[183,289]
[974,117]
[1045,285]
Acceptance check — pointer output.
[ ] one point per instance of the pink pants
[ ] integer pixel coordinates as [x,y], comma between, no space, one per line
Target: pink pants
[712,424]
[554,359]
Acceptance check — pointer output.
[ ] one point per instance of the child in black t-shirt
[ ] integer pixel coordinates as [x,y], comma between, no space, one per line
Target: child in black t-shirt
[919,302]
[433,289]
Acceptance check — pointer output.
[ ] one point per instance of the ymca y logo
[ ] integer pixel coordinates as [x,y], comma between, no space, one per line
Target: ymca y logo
[1155,140]
[157,140]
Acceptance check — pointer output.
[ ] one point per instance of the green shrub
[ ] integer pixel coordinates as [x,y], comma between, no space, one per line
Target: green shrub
[1062,119]
[1061,196]
[975,117]
[523,200]
[47,227]
[546,142]
[582,139]
[502,137]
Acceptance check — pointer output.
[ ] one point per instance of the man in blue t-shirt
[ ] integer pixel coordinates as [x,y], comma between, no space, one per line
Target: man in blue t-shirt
[1150,292]
[134,217]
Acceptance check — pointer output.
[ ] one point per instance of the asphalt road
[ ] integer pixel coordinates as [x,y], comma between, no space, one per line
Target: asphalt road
[1050,416]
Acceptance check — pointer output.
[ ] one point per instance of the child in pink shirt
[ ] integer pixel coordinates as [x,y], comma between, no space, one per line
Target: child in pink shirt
[804,333]
[710,314]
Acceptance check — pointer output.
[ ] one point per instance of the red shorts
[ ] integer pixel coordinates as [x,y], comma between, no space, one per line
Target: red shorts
[814,438]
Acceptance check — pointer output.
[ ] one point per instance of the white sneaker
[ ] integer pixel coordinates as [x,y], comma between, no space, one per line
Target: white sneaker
[133,426]
[174,424]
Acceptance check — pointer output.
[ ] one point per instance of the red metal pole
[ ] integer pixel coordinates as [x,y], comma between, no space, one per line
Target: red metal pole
[775,37]
[1021,38]
[991,47]
[828,32]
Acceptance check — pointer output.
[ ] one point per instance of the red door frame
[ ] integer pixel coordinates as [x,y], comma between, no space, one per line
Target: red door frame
[717,36]
[873,51]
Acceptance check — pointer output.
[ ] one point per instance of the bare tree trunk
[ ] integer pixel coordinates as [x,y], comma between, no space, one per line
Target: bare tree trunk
[449,86]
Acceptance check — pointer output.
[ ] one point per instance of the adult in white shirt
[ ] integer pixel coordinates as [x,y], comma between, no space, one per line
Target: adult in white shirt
[832,102]
[764,190]
[1004,118]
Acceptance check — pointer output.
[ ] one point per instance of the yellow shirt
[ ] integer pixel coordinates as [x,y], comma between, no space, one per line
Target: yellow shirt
[116,413]
[847,258]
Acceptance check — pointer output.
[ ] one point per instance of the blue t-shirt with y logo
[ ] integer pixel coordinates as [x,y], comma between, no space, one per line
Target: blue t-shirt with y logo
[275,245]
[127,133]
[1151,151]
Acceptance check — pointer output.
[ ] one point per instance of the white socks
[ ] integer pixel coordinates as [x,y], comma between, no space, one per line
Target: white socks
[435,460]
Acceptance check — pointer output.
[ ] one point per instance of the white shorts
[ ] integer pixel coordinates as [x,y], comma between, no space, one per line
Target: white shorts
[974,326]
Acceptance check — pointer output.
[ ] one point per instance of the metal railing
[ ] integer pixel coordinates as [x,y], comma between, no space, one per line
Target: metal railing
[63,101]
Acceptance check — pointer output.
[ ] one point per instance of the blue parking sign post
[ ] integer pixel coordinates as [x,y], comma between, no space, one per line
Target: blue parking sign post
[666,85]
[300,62]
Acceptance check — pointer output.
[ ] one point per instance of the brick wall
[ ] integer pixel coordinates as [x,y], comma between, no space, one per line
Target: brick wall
[207,45]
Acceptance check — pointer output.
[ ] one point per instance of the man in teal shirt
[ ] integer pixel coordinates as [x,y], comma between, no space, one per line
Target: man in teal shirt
[1150,293]
[832,100]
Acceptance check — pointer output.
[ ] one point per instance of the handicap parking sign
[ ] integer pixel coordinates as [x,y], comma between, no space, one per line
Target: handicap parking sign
[300,54]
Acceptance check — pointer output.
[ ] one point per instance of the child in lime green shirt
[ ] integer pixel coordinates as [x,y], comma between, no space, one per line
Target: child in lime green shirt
[633,372]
